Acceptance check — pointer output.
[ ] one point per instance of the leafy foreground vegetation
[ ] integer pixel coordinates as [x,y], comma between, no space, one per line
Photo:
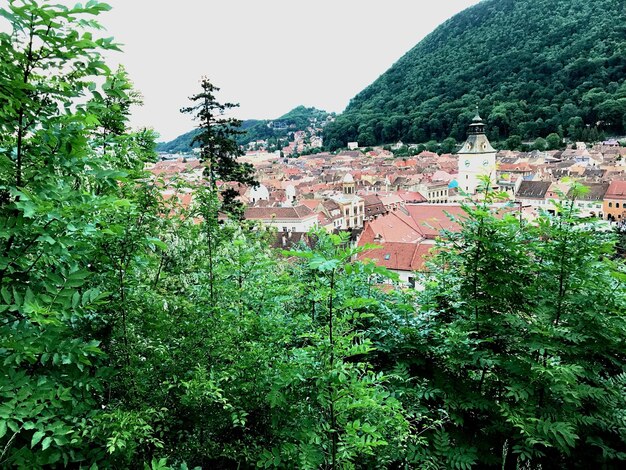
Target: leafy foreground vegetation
[534,67]
[133,340]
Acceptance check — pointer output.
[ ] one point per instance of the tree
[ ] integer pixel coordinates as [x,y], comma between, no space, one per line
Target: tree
[514,142]
[337,411]
[539,144]
[59,189]
[448,145]
[218,147]
[521,343]
[554,141]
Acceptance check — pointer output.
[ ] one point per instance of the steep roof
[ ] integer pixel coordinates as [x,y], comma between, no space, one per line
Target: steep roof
[433,218]
[394,226]
[616,190]
[399,256]
[266,213]
[373,205]
[533,189]
[411,196]
[596,192]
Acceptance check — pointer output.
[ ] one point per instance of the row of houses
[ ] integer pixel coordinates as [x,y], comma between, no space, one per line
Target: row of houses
[602,200]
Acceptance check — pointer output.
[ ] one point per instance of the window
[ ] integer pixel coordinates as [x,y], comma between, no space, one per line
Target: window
[293,229]
[617,205]
[387,256]
[284,229]
[610,204]
[466,177]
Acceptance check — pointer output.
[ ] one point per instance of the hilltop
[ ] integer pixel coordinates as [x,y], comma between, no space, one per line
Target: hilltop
[275,133]
[532,66]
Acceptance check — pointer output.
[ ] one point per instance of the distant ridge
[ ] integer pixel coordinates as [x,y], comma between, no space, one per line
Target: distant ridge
[533,66]
[298,118]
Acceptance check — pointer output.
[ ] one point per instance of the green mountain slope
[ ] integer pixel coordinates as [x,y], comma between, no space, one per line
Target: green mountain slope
[532,66]
[298,118]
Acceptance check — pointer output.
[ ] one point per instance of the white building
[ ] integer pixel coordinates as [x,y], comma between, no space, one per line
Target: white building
[352,206]
[476,158]
[284,219]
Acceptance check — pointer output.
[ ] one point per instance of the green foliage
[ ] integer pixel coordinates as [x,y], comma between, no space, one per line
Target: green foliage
[540,144]
[136,333]
[553,141]
[533,67]
[514,142]
[341,413]
[66,162]
[218,147]
[522,340]
[299,118]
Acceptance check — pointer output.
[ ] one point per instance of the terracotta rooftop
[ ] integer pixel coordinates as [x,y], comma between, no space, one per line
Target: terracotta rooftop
[399,256]
[264,213]
[616,190]
[431,219]
[395,226]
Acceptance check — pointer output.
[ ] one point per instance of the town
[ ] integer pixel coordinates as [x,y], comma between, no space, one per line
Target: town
[401,204]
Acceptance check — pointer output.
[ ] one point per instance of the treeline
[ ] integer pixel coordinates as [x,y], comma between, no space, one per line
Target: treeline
[533,67]
[298,118]
[136,333]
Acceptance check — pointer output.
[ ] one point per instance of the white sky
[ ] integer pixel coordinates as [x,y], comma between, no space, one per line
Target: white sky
[267,55]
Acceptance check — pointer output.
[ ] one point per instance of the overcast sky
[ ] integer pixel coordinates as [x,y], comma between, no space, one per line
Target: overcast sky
[267,55]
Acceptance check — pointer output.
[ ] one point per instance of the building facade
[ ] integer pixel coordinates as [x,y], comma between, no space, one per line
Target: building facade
[476,158]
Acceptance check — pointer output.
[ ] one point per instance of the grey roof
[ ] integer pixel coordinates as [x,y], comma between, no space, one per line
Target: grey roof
[596,192]
[597,172]
[533,189]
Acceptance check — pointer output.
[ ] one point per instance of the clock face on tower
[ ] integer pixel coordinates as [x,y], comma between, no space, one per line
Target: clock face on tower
[485,163]
[467,163]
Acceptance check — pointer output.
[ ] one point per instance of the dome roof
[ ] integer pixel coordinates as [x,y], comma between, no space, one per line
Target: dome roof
[348,178]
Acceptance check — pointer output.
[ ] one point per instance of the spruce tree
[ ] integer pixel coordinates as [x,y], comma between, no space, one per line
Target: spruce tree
[218,146]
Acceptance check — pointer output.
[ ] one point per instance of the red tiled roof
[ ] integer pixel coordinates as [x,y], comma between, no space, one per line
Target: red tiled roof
[399,256]
[262,213]
[310,203]
[411,196]
[617,190]
[432,218]
[395,226]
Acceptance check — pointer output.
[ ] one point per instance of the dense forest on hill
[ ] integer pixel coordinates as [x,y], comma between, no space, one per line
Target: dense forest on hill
[137,333]
[533,67]
[298,118]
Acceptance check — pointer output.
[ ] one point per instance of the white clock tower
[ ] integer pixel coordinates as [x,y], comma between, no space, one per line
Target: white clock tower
[476,158]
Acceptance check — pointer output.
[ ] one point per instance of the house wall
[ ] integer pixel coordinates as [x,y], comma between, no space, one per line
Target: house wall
[472,166]
[291,225]
[614,209]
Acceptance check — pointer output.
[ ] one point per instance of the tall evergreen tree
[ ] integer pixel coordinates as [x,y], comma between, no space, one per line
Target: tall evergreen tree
[218,147]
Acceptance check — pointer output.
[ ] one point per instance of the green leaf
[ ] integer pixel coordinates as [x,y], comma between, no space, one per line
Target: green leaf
[6,295]
[46,443]
[36,438]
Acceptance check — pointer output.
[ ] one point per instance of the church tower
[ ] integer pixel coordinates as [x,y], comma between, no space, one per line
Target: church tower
[348,184]
[476,158]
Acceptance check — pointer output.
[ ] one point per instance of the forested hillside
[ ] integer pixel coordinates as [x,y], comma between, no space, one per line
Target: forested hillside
[532,66]
[136,333]
[298,118]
